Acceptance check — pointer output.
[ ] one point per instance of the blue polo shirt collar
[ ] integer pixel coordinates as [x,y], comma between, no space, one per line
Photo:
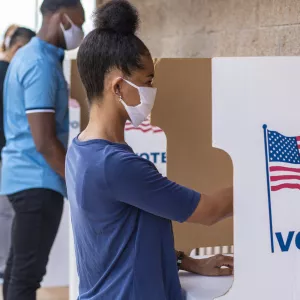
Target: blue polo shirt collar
[57,52]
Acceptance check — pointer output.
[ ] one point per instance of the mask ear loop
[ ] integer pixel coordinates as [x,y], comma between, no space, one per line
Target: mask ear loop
[69,20]
[130,83]
[118,93]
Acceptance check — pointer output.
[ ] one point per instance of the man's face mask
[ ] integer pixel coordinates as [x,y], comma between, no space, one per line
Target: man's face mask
[73,36]
[139,113]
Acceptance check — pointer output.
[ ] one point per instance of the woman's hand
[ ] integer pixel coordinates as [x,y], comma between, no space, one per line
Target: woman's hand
[218,265]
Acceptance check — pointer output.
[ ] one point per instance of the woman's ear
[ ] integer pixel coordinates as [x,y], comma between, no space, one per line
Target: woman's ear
[116,86]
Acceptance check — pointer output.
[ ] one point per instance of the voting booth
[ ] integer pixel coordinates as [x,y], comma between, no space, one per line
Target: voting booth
[183,109]
[231,121]
[255,120]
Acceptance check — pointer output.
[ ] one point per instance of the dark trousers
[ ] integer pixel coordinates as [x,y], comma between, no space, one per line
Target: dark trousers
[37,217]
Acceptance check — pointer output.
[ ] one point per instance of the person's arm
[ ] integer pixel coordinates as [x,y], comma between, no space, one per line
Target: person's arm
[43,131]
[213,208]
[40,88]
[218,265]
[136,181]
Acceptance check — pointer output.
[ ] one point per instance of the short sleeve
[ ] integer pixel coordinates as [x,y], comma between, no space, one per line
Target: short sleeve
[136,181]
[40,86]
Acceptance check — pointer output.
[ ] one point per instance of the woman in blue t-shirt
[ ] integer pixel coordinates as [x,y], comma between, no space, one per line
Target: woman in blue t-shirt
[121,206]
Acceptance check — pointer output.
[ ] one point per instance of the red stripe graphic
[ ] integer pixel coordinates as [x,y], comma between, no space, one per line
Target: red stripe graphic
[144,127]
[140,129]
[275,169]
[284,177]
[285,186]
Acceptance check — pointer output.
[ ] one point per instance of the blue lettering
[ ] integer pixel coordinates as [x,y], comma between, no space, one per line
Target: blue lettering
[286,246]
[155,154]
[297,240]
[155,157]
[145,155]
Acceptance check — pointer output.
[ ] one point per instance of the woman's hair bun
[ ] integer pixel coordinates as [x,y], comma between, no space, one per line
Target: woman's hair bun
[118,16]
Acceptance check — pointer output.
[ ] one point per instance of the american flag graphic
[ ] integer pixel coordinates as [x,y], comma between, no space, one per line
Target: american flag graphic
[284,161]
[144,127]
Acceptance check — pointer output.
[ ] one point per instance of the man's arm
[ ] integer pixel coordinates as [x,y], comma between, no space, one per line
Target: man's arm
[213,208]
[40,85]
[42,127]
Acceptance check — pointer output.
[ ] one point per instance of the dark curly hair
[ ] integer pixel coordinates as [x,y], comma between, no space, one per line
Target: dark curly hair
[112,44]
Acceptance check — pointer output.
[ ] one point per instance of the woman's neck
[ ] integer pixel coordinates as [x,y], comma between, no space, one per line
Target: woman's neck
[104,123]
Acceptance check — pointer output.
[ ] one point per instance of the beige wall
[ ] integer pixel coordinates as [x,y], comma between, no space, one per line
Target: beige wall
[207,28]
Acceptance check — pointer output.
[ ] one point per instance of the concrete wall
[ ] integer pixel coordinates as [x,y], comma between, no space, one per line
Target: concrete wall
[208,28]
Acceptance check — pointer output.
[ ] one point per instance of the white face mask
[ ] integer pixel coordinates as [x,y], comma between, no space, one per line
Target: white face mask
[7,42]
[138,114]
[73,36]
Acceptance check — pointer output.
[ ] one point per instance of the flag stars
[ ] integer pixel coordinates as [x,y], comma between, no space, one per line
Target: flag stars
[283,149]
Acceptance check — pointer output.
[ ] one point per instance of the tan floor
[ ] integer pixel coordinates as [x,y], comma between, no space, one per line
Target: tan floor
[50,294]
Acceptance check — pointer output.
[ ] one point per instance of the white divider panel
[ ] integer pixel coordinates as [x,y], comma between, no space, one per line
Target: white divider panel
[59,260]
[73,277]
[248,93]
[58,266]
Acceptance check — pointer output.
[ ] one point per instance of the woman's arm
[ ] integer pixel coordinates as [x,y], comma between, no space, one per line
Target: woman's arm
[218,265]
[135,181]
[213,208]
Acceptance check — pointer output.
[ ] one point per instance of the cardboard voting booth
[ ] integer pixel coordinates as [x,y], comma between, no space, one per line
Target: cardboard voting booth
[183,109]
[233,121]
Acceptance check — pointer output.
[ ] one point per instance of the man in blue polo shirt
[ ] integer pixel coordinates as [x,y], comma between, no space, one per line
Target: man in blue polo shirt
[36,125]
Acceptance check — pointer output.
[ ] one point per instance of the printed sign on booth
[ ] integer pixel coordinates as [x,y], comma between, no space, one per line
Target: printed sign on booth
[282,168]
[149,142]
